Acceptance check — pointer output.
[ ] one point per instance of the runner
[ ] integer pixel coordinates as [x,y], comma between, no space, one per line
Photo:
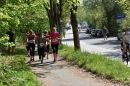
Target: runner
[11,41]
[41,42]
[55,42]
[48,42]
[30,39]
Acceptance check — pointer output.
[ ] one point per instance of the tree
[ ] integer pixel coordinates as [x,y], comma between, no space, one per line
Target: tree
[74,4]
[109,9]
[21,16]
[112,9]
[94,13]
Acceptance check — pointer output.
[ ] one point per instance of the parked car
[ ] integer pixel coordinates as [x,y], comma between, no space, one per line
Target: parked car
[120,34]
[99,33]
[88,30]
[84,25]
[93,32]
[79,26]
[97,30]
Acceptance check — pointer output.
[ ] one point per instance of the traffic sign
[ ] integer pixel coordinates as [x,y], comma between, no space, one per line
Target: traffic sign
[119,16]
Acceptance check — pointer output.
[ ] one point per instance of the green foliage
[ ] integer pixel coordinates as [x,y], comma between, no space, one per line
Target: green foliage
[21,16]
[98,64]
[15,72]
[94,13]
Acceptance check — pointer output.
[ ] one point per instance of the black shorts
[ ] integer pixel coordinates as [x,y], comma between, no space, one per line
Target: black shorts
[47,48]
[127,45]
[11,44]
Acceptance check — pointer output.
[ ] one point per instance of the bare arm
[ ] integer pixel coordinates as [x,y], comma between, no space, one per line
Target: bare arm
[45,42]
[123,41]
[35,37]
[26,39]
[36,40]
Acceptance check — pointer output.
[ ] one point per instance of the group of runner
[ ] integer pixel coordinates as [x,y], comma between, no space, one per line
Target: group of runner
[43,40]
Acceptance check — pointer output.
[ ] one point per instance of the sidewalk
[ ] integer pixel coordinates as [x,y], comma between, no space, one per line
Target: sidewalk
[64,73]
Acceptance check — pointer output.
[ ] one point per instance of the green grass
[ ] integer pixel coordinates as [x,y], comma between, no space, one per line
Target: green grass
[14,71]
[98,64]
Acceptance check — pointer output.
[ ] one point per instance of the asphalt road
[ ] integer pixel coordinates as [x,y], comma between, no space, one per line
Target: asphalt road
[110,47]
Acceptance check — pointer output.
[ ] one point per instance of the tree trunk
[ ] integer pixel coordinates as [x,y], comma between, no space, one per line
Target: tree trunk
[2,3]
[74,27]
[54,14]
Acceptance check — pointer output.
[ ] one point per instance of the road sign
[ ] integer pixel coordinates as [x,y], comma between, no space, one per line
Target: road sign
[119,16]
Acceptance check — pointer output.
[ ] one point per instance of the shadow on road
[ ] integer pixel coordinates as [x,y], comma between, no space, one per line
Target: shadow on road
[45,63]
[115,54]
[110,42]
[43,70]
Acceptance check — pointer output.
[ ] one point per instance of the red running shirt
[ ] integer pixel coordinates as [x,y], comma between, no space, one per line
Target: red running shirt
[54,37]
[48,39]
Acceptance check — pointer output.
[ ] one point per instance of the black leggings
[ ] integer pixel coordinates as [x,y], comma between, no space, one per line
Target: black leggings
[55,48]
[31,47]
[47,48]
[41,52]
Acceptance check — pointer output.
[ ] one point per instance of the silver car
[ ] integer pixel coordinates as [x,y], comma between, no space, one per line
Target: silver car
[120,35]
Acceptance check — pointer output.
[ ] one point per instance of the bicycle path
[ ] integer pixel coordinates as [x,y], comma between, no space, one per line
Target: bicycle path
[64,73]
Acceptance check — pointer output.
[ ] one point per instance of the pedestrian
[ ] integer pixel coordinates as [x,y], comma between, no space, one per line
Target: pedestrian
[11,41]
[48,43]
[30,39]
[55,36]
[105,31]
[41,42]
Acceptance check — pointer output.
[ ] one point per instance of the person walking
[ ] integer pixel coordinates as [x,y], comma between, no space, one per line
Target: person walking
[41,42]
[55,36]
[48,43]
[30,39]
[105,31]
[11,41]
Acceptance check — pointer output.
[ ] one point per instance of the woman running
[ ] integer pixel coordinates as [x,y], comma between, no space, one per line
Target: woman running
[30,39]
[55,36]
[48,43]
[41,42]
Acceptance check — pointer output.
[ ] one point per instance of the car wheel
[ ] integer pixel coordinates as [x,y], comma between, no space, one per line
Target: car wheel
[118,38]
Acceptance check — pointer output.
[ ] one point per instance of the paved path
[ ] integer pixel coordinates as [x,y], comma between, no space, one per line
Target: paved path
[64,73]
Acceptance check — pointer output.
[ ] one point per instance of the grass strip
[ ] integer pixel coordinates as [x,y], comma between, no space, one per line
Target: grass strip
[15,72]
[98,64]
